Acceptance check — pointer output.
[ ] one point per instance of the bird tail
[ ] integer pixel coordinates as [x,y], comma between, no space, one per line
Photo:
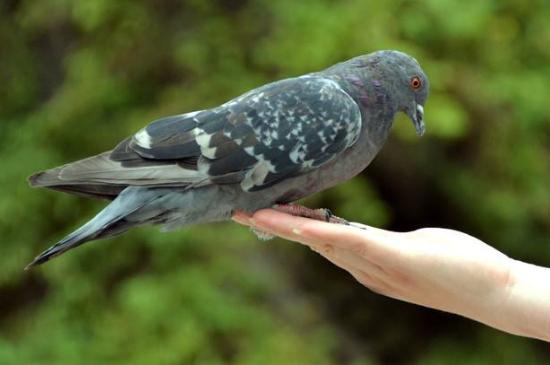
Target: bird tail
[109,222]
[91,230]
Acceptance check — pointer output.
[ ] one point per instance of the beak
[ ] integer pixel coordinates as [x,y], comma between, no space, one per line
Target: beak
[417,117]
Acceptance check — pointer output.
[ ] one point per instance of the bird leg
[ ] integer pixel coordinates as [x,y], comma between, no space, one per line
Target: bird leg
[321,214]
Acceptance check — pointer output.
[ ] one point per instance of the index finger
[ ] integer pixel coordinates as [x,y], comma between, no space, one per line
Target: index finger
[313,232]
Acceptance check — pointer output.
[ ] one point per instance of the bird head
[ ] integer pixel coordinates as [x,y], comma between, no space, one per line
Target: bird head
[394,78]
[406,82]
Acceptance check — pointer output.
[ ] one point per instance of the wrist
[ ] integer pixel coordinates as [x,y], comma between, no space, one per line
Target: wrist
[522,307]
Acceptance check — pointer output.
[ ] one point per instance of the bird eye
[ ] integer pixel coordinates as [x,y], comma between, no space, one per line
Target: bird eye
[416,82]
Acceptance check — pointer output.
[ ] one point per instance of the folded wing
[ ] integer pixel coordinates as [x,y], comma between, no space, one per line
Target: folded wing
[277,131]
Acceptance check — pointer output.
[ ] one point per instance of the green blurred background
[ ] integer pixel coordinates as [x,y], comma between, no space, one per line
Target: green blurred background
[78,76]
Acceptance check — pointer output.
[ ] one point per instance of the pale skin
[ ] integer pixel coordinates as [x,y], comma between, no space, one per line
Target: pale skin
[433,267]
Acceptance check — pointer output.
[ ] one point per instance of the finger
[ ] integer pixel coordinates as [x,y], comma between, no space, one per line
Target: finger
[368,281]
[247,220]
[283,225]
[352,257]
[367,273]
[241,217]
[297,228]
[386,277]
[375,244]
[353,261]
[362,270]
[378,246]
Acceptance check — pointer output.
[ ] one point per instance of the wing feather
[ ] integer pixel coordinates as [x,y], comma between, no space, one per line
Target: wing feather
[279,130]
[271,133]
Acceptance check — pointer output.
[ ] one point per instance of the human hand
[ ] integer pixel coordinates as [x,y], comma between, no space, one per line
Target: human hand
[433,267]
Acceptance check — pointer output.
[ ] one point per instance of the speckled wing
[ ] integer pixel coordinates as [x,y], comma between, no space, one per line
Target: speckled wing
[277,131]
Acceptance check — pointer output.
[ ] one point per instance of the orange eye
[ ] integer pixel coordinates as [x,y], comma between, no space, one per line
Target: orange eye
[416,82]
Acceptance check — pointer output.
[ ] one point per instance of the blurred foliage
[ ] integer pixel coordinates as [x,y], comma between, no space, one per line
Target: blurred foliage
[78,76]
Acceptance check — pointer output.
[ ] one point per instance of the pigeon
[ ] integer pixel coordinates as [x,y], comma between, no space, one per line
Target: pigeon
[269,147]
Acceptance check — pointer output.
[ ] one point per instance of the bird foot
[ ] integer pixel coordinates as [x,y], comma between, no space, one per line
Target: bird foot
[321,214]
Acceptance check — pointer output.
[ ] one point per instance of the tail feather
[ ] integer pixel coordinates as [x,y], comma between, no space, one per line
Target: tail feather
[73,240]
[109,222]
